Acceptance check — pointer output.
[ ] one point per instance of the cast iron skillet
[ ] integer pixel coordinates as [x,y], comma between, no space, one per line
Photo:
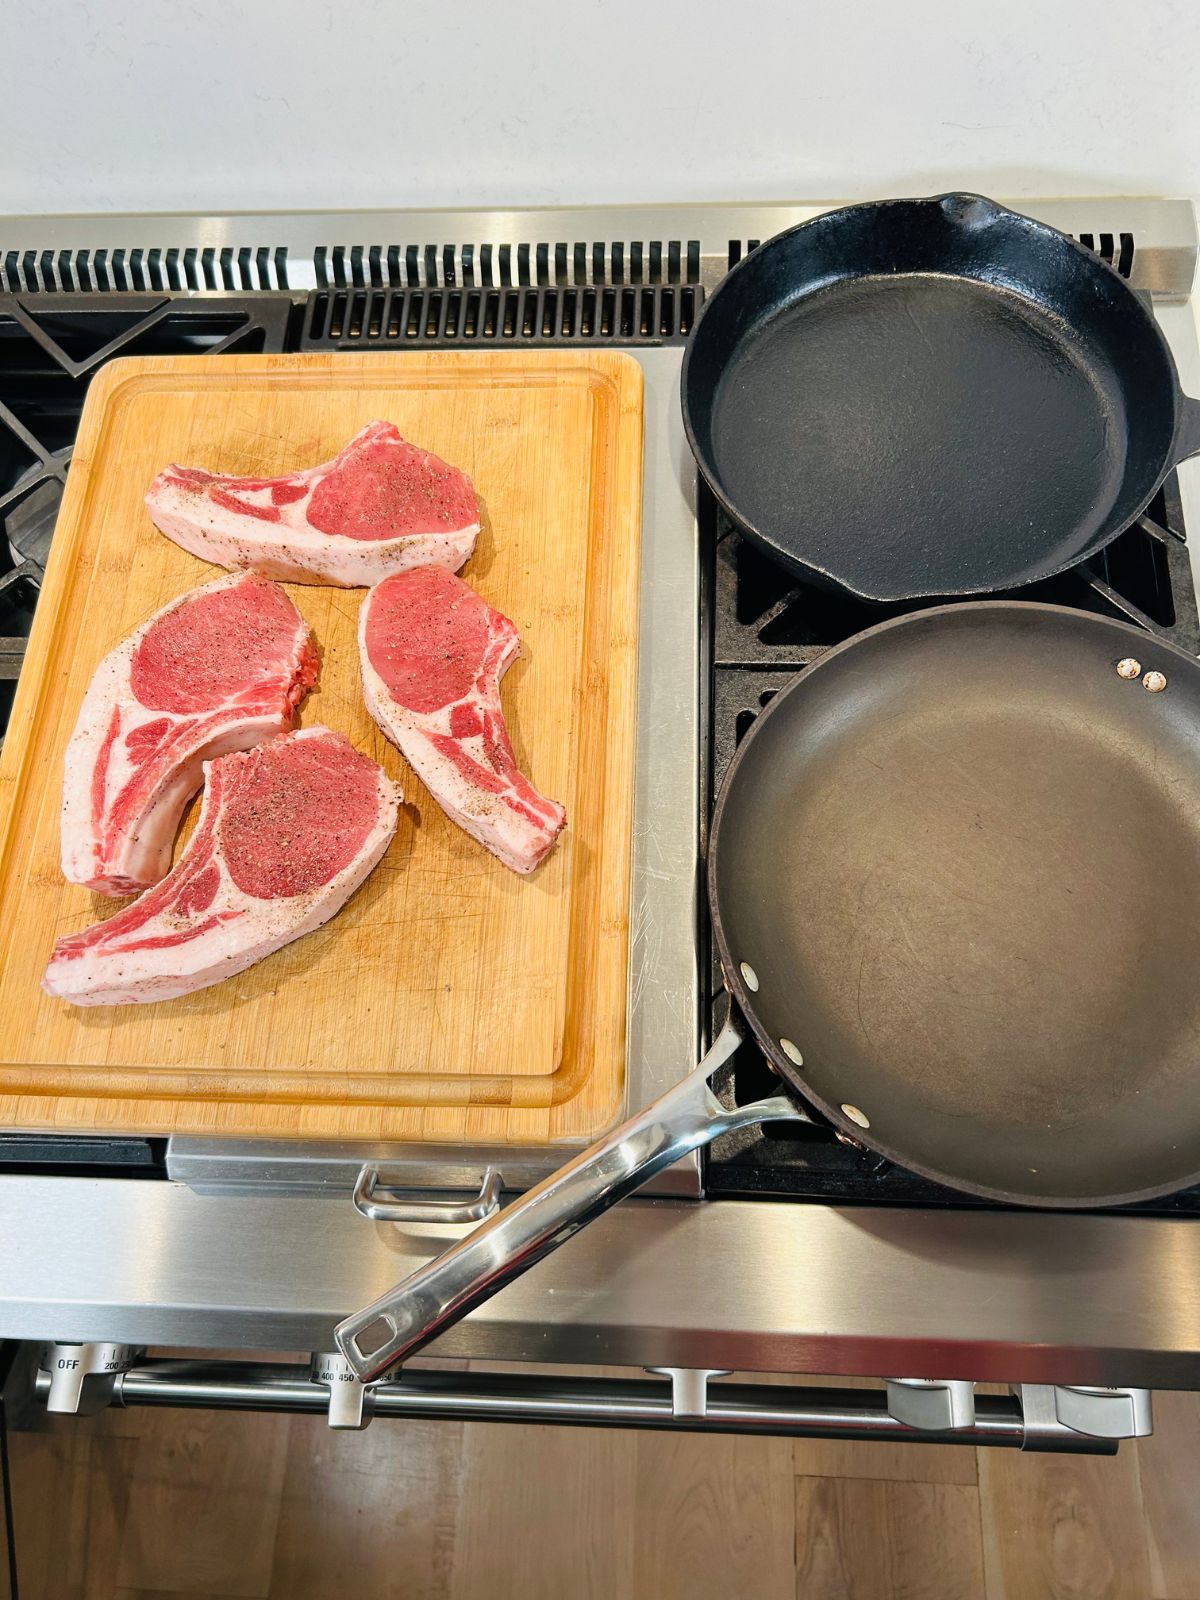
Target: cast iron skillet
[954,875]
[931,398]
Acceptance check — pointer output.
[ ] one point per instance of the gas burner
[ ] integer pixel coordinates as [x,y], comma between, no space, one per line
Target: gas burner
[765,626]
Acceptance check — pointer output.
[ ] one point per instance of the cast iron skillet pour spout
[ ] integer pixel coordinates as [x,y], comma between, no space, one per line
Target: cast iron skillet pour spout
[931,398]
[954,872]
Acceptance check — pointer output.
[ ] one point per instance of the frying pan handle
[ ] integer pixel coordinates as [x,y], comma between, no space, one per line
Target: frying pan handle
[471,1271]
[1187,431]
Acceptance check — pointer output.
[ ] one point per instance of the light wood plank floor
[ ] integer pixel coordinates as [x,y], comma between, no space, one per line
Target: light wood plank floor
[142,1505]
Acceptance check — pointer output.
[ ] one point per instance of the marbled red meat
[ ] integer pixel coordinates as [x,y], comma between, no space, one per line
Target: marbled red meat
[286,834]
[219,669]
[380,506]
[433,653]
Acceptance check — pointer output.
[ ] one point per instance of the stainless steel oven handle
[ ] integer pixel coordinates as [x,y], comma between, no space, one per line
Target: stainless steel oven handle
[366,1201]
[1022,1420]
[683,1119]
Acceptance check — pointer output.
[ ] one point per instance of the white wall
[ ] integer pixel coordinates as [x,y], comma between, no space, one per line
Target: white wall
[216,105]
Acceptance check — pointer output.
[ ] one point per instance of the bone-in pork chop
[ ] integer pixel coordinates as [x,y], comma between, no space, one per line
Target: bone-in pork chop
[222,668]
[379,507]
[286,834]
[432,654]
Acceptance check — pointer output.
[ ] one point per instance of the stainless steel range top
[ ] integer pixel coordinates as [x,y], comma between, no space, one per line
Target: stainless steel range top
[260,1246]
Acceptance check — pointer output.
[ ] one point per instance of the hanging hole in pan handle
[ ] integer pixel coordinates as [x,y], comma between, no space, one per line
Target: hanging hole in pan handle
[369,1204]
[1187,431]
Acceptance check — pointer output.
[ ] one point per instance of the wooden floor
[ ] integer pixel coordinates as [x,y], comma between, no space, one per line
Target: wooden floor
[142,1505]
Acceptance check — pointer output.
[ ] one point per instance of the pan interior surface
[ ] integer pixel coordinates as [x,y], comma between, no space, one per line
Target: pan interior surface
[962,857]
[920,433]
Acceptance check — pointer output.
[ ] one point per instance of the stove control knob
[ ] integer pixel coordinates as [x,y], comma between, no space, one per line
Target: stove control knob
[347,1391]
[934,1405]
[82,1376]
[1104,1413]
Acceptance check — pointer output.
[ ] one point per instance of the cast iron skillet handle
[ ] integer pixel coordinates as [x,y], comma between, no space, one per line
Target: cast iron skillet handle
[1187,431]
[471,1271]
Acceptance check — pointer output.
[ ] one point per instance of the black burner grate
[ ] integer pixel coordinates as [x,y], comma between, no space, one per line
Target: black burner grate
[50,348]
[763,627]
[762,617]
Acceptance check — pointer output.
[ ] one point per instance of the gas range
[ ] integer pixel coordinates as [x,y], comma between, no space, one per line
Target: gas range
[70,309]
[259,1246]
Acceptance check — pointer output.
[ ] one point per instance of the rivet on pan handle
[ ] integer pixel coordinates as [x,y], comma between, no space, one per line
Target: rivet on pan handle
[366,1202]
[471,1271]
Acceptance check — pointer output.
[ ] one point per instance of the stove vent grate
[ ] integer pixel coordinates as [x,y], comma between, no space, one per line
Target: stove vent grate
[1116,248]
[144,270]
[230,269]
[390,318]
[504,266]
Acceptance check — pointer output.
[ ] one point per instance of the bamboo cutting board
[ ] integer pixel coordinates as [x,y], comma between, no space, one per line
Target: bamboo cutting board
[451,999]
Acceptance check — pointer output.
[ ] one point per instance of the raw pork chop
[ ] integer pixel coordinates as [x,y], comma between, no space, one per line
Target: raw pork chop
[286,834]
[432,654]
[379,507]
[219,669]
